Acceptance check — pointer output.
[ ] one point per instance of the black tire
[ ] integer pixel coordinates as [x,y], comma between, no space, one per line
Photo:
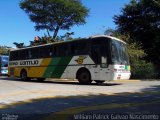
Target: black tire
[40,79]
[24,75]
[99,81]
[84,77]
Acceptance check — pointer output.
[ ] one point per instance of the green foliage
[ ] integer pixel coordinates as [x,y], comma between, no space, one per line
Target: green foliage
[143,70]
[141,20]
[19,45]
[43,40]
[134,48]
[55,15]
[67,36]
[4,50]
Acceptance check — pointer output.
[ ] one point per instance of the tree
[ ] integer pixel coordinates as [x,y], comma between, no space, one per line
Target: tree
[55,15]
[141,20]
[19,45]
[139,67]
[4,50]
[68,35]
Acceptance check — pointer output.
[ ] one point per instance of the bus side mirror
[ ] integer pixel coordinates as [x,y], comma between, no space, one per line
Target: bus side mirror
[104,62]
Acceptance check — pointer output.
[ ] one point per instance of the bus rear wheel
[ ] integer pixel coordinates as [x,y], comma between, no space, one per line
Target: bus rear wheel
[84,77]
[40,79]
[99,81]
[24,75]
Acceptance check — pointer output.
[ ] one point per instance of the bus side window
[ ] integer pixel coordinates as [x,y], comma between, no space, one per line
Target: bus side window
[34,53]
[11,56]
[50,52]
[25,54]
[81,48]
[72,49]
[96,54]
[15,56]
[29,54]
[67,51]
[62,50]
[19,54]
[42,51]
[54,50]
[99,50]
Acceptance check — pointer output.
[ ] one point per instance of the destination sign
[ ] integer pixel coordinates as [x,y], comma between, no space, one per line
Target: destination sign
[33,62]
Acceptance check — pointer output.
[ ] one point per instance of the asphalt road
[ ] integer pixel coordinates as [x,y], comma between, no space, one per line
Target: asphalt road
[55,99]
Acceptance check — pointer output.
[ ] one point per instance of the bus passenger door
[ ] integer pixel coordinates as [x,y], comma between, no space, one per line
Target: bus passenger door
[95,57]
[99,53]
[96,72]
[104,69]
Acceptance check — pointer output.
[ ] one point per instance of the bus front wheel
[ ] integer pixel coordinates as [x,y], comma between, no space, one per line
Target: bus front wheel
[84,76]
[24,75]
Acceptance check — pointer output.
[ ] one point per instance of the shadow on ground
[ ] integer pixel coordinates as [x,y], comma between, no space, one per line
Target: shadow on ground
[55,81]
[147,101]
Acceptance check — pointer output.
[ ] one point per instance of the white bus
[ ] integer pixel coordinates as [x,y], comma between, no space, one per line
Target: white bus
[98,58]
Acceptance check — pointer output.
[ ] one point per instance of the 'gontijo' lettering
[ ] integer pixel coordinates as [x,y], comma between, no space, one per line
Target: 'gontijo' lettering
[31,62]
[24,63]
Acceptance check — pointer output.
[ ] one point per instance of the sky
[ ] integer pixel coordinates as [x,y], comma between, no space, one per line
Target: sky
[16,26]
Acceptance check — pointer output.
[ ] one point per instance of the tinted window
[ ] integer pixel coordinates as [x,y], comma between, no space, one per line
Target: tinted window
[62,50]
[45,51]
[13,55]
[22,54]
[100,47]
[80,47]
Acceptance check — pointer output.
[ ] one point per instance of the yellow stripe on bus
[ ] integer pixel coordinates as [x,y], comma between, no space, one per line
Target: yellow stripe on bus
[33,71]
[39,71]
[46,61]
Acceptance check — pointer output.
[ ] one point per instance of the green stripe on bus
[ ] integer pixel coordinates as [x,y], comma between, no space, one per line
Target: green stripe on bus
[51,67]
[57,66]
[60,68]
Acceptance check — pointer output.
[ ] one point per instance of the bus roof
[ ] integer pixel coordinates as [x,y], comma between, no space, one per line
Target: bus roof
[97,36]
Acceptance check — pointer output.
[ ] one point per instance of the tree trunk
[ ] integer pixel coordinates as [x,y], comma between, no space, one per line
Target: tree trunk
[55,32]
[48,33]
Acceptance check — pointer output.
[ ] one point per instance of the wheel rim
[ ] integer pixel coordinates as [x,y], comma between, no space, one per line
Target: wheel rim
[84,77]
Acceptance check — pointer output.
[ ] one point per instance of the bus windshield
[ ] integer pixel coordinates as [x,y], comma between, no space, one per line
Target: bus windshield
[119,52]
